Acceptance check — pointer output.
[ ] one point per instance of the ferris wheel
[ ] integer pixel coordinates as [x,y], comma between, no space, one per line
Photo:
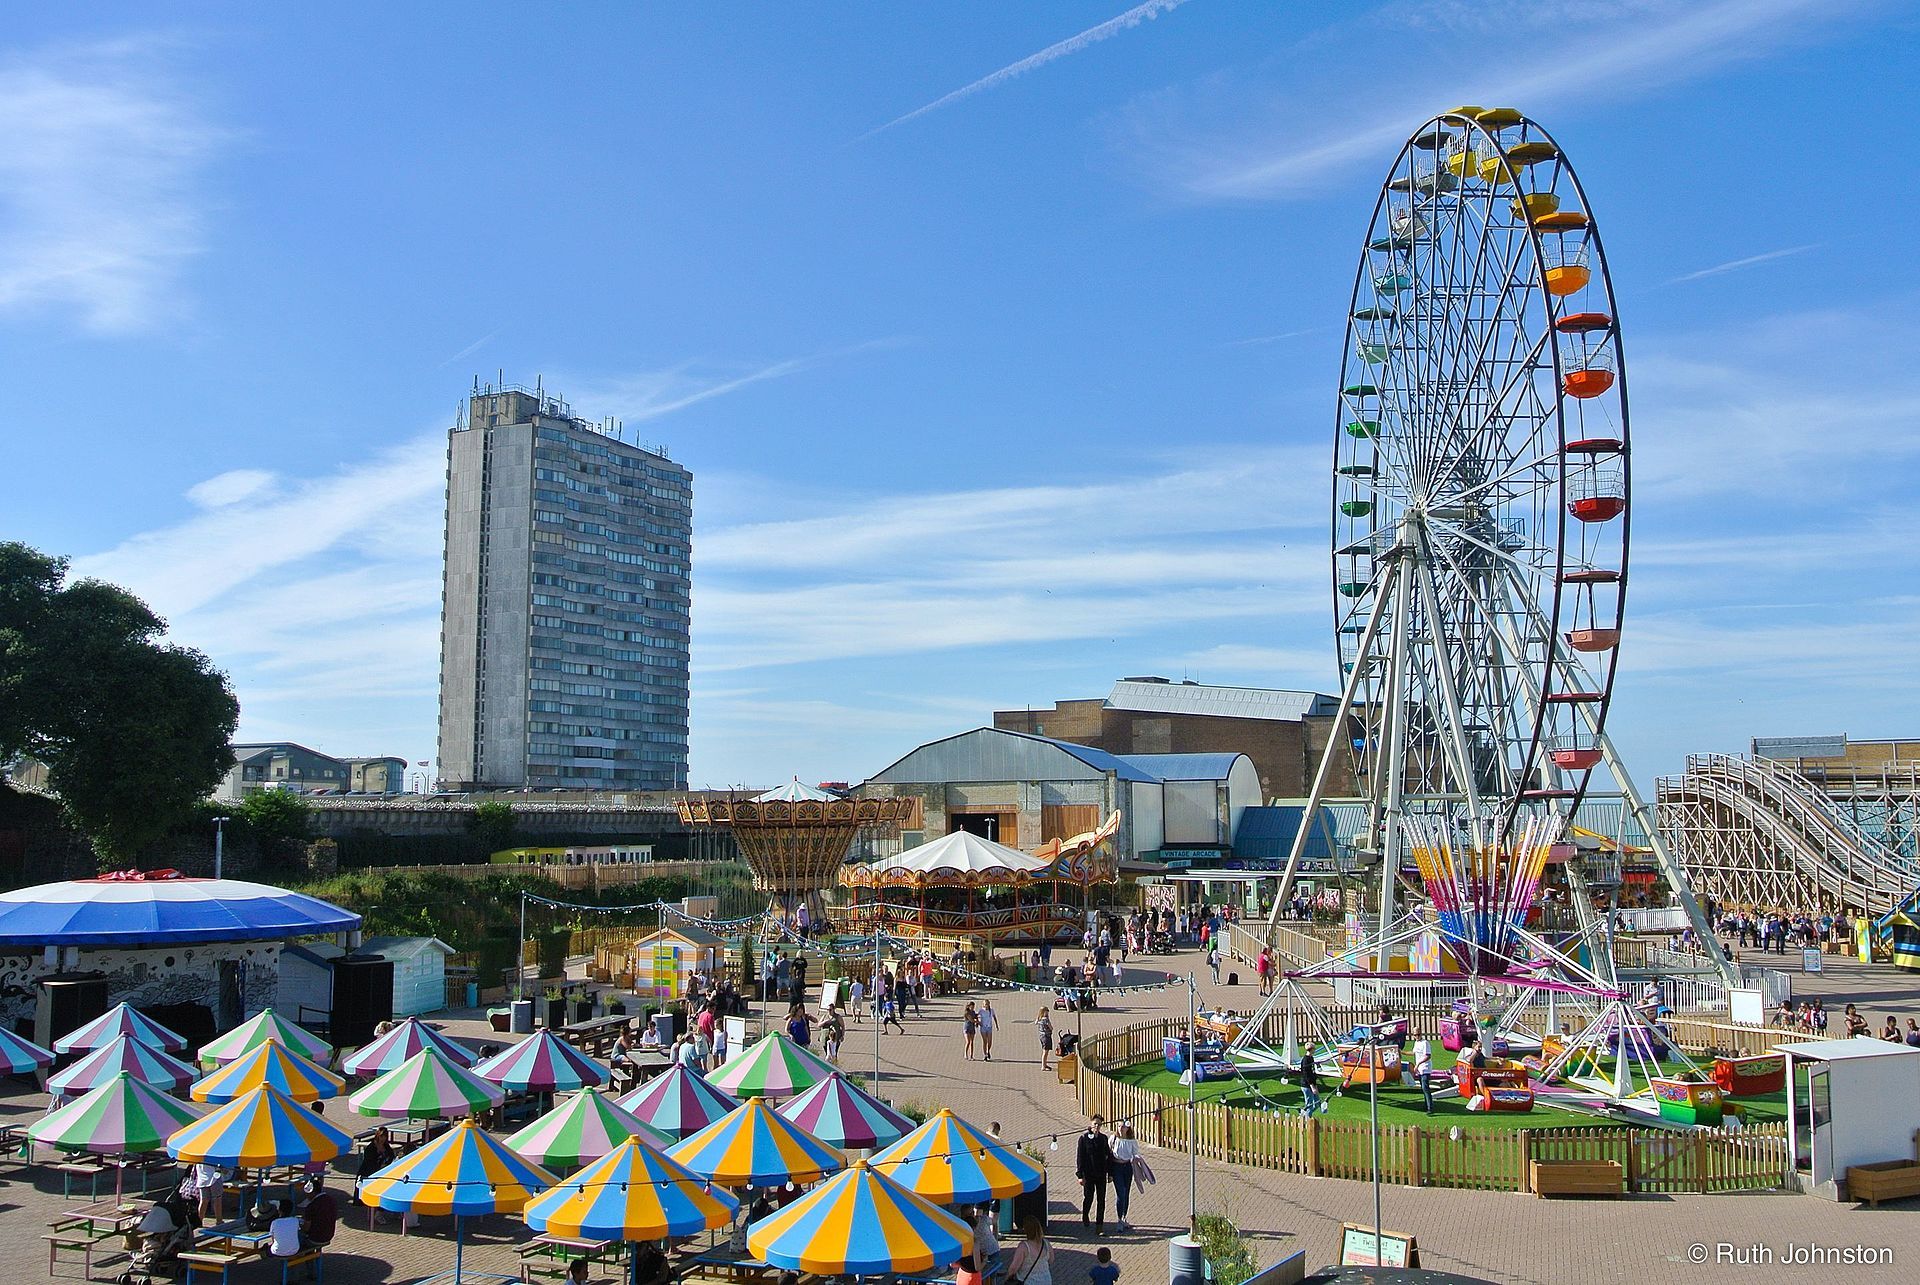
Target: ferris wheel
[1481,501]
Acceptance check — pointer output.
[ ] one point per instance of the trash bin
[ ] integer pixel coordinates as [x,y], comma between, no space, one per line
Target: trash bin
[663,1029]
[473,994]
[1020,971]
[521,1021]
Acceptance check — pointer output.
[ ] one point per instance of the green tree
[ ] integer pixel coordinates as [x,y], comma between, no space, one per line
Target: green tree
[493,823]
[281,822]
[133,730]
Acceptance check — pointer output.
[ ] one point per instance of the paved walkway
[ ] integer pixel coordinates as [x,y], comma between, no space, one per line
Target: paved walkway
[1496,1235]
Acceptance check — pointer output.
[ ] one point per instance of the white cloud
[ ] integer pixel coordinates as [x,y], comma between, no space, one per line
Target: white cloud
[1033,62]
[231,487]
[100,160]
[1322,127]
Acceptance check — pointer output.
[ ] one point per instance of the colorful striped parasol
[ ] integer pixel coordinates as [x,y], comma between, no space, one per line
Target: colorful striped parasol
[950,1162]
[632,1193]
[587,1126]
[124,1116]
[401,1043]
[838,1111]
[143,1062]
[463,1172]
[427,1086]
[679,1103]
[270,1063]
[773,1066]
[20,1055]
[121,1019]
[754,1147]
[860,1223]
[257,1030]
[543,1063]
[260,1129]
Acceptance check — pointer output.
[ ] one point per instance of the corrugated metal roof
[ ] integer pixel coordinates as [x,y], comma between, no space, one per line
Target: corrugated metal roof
[1268,831]
[991,754]
[1221,702]
[1184,767]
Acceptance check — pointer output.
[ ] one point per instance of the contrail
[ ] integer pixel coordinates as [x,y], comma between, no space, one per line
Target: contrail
[1071,45]
[1748,262]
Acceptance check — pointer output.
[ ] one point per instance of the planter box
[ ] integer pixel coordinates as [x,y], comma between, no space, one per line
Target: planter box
[1883,1180]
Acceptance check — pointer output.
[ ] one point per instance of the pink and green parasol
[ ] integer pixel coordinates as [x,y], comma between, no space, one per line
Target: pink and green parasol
[401,1043]
[585,1127]
[143,1062]
[427,1086]
[841,1112]
[124,1116]
[679,1103]
[121,1019]
[773,1066]
[257,1030]
[20,1055]
[542,1063]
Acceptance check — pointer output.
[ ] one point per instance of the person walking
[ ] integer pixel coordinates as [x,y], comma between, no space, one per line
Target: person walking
[970,1027]
[1213,957]
[1423,1069]
[1093,1166]
[1032,1262]
[1309,1078]
[799,1025]
[988,1021]
[1043,1026]
[1263,966]
[1126,1150]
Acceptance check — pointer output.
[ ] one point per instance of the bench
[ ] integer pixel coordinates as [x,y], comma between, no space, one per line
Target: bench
[1883,1180]
[315,1256]
[1576,1177]
[81,1241]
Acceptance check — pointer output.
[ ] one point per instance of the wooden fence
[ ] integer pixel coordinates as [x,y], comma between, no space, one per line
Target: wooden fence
[1653,1160]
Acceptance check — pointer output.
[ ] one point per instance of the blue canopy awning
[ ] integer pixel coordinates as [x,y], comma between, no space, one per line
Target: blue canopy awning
[160,908]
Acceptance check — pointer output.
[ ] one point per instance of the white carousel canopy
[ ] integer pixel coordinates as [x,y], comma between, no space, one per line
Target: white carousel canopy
[962,853]
[794,792]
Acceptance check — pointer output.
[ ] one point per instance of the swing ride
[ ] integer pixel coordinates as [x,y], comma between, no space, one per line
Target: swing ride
[1481,507]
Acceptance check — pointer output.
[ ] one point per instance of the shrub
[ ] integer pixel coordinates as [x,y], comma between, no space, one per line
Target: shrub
[1227,1254]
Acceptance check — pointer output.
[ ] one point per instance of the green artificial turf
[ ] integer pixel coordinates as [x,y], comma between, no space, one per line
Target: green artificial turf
[1399,1103]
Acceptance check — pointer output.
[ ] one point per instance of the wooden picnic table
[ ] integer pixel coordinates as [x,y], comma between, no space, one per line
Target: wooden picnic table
[108,1217]
[595,1037]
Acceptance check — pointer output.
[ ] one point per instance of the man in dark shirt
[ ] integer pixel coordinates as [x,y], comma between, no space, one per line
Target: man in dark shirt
[318,1219]
[1092,1164]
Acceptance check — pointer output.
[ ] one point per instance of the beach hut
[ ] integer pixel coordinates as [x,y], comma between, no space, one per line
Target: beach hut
[667,958]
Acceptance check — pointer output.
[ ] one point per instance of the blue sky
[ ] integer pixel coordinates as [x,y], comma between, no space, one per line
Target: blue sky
[996,387]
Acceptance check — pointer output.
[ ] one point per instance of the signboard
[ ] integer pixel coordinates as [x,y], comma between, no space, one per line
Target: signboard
[736,1036]
[1810,959]
[1747,1005]
[829,994]
[1358,1245]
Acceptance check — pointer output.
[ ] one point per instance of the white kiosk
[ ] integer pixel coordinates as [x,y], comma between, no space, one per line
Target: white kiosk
[1850,1102]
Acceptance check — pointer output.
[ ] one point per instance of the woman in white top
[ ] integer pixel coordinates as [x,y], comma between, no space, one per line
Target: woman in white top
[1125,1151]
[988,1021]
[1032,1262]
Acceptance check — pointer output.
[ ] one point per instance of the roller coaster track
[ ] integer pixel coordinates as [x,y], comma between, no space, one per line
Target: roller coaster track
[1753,833]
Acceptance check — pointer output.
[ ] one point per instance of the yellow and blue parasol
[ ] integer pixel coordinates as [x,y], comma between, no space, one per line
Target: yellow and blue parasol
[754,1146]
[261,1128]
[860,1223]
[269,1063]
[950,1162]
[463,1172]
[632,1193]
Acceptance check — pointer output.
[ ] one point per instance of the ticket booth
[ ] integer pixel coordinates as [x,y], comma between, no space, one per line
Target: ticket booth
[1850,1102]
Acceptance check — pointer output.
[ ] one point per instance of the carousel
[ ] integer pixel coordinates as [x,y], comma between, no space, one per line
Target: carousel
[963,884]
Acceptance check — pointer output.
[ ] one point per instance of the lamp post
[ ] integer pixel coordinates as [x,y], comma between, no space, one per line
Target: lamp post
[219,845]
[1193,1080]
[1373,1116]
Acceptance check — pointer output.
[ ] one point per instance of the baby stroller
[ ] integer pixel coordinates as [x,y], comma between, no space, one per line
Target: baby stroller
[1160,943]
[164,1234]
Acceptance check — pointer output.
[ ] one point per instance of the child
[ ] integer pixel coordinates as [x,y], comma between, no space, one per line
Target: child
[1104,1270]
